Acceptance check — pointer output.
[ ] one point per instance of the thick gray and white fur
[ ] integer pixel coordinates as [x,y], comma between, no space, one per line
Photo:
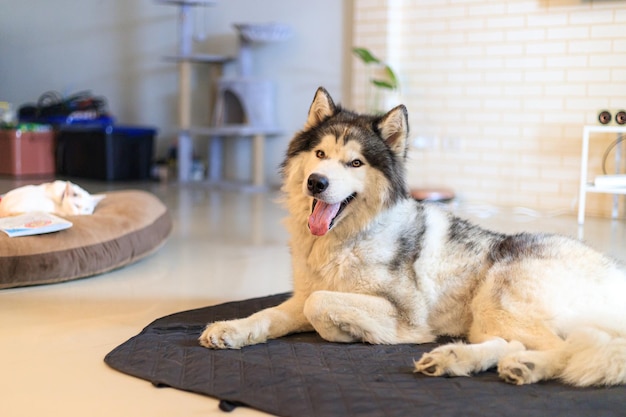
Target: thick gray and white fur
[371,264]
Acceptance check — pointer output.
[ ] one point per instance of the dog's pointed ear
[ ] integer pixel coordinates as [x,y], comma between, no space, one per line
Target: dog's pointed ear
[394,129]
[321,108]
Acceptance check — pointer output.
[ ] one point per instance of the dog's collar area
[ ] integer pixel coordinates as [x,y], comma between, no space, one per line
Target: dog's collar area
[323,219]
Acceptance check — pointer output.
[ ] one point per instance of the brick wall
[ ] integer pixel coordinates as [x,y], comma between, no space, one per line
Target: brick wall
[498,91]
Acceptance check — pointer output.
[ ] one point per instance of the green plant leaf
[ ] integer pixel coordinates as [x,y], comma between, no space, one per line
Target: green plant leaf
[391,83]
[365,55]
[383,84]
[393,80]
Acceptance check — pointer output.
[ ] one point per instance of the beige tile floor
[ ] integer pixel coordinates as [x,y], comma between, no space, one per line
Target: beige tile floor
[225,246]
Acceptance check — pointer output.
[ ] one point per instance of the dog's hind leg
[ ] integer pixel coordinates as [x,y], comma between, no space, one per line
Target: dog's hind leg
[350,317]
[588,357]
[530,366]
[546,356]
[460,359]
[496,335]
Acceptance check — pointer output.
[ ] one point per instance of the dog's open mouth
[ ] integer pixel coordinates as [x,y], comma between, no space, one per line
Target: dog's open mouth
[323,215]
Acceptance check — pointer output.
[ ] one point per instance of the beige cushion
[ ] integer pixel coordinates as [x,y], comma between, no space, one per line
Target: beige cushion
[125,227]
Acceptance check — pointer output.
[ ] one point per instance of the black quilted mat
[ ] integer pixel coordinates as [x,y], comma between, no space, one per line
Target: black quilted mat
[302,375]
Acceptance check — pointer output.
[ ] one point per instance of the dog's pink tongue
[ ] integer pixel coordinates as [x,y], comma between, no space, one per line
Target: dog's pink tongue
[322,215]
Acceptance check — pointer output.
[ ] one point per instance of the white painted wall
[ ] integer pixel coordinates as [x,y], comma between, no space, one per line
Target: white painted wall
[115,47]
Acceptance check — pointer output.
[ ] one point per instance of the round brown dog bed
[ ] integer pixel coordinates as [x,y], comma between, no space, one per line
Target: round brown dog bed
[125,227]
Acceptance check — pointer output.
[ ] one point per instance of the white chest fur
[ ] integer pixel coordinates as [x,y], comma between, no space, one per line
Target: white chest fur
[357,263]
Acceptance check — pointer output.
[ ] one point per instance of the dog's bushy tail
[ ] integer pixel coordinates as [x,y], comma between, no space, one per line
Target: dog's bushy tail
[596,358]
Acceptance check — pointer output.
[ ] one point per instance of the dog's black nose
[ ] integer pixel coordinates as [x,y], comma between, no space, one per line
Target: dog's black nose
[317,183]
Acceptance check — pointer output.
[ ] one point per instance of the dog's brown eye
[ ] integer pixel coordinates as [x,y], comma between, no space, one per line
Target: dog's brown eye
[356,163]
[320,154]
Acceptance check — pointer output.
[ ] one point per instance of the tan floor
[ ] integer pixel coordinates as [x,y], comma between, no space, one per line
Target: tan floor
[225,246]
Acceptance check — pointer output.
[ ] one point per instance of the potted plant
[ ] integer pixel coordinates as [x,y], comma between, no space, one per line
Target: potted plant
[382,80]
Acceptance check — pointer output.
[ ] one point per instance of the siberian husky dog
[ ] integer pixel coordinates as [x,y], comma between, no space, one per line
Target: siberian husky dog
[371,264]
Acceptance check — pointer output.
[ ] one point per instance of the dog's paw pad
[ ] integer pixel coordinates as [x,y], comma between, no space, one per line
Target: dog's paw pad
[438,362]
[222,335]
[427,366]
[516,372]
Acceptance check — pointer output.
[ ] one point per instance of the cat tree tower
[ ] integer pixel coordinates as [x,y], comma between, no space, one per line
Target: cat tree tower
[244,105]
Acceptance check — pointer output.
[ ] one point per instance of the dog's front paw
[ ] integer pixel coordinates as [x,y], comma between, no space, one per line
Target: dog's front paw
[226,335]
[443,360]
[517,372]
